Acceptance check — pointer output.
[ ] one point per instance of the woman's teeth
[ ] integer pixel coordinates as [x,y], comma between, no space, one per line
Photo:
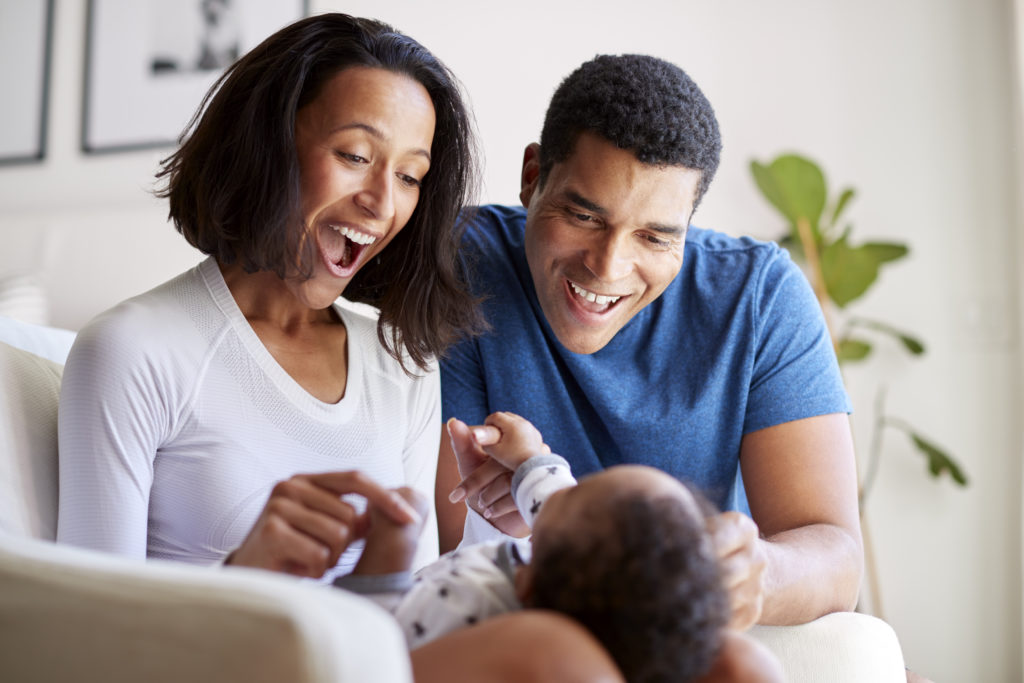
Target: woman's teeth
[357,237]
[598,299]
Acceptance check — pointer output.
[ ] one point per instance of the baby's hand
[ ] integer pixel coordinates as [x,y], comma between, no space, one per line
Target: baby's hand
[519,440]
[390,546]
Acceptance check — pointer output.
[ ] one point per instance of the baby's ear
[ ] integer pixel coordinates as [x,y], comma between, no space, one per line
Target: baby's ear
[524,584]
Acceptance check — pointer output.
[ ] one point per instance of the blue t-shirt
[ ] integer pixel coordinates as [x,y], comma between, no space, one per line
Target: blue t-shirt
[736,343]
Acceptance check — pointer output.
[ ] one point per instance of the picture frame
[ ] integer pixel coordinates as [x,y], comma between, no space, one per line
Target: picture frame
[148,63]
[26,37]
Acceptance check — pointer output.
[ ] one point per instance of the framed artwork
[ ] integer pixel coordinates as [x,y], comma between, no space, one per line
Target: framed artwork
[26,30]
[148,63]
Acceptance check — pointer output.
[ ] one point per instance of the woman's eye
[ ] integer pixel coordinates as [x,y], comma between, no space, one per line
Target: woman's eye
[354,158]
[409,181]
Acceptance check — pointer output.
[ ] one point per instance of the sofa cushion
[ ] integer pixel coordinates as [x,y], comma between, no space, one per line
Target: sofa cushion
[29,390]
[48,342]
[68,614]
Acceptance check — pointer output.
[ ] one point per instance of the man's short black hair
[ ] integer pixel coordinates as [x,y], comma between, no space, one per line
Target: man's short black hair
[639,103]
[647,586]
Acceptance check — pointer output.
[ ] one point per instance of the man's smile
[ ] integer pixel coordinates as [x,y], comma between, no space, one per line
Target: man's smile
[588,306]
[593,297]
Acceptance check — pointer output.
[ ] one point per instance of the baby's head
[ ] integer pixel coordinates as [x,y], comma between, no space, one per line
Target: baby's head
[626,554]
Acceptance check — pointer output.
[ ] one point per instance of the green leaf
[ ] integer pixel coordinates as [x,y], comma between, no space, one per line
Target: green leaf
[764,177]
[844,199]
[850,271]
[795,186]
[912,344]
[853,350]
[887,251]
[939,461]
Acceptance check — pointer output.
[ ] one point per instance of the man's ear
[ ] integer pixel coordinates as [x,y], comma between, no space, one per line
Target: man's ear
[523,584]
[531,173]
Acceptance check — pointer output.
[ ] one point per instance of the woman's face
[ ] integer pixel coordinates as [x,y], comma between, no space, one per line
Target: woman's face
[363,148]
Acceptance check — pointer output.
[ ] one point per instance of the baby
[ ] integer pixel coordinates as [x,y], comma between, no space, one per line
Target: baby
[624,552]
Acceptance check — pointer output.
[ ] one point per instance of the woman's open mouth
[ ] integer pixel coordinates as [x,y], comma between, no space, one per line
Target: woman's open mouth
[342,247]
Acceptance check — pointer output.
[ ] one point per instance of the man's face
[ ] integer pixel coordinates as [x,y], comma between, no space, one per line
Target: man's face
[604,237]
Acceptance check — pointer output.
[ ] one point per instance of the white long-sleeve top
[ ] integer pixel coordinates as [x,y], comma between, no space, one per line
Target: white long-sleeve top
[176,422]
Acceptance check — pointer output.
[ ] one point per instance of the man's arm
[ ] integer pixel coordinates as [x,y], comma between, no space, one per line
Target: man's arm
[801,484]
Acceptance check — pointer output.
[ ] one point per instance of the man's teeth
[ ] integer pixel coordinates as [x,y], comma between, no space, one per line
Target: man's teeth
[357,237]
[598,299]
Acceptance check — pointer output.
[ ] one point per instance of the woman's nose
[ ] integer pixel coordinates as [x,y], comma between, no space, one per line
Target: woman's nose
[377,194]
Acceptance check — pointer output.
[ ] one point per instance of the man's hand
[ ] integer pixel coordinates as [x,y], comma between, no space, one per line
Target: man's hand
[486,484]
[306,526]
[742,557]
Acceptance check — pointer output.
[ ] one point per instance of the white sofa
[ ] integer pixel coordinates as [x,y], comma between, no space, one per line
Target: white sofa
[70,614]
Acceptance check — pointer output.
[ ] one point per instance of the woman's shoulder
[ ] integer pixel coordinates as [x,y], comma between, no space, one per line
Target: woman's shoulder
[161,321]
[360,322]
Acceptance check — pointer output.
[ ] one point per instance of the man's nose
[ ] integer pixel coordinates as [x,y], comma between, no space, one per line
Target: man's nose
[610,256]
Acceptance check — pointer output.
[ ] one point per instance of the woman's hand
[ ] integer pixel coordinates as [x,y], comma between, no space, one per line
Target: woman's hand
[742,558]
[305,526]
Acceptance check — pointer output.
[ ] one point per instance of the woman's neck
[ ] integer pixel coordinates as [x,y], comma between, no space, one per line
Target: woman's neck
[266,298]
[310,344]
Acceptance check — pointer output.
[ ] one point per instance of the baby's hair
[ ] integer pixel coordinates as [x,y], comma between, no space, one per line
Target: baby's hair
[646,584]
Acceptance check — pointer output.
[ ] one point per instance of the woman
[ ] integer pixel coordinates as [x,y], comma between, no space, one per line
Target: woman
[332,158]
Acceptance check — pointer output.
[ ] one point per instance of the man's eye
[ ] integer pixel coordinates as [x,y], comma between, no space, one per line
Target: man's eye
[657,241]
[583,217]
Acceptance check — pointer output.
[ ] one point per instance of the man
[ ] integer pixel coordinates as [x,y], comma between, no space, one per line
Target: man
[625,335]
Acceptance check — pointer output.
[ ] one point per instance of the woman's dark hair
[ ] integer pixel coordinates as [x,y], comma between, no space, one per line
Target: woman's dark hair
[233,184]
[645,582]
[639,103]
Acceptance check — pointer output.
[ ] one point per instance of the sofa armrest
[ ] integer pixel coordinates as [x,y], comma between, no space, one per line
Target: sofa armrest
[72,614]
[845,647]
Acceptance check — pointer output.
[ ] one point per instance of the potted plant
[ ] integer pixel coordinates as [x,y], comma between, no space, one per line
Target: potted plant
[841,272]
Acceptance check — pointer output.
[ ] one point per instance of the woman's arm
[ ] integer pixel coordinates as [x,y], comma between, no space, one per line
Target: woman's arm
[112,419]
[419,459]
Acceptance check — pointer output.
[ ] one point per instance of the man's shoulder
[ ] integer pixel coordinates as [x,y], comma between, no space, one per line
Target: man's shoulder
[727,261]
[714,242]
[492,251]
[494,224]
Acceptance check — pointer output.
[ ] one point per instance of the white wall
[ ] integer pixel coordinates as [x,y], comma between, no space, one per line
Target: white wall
[910,101]
[1019,140]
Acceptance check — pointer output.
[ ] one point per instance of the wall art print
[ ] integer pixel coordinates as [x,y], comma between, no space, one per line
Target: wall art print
[149,63]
